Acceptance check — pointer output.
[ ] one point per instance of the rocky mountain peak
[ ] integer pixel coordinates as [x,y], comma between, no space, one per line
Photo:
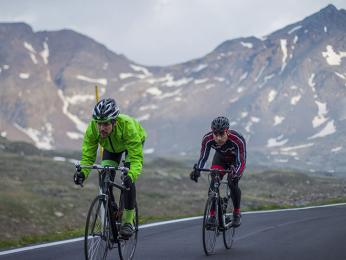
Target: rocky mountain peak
[285,93]
[329,16]
[15,29]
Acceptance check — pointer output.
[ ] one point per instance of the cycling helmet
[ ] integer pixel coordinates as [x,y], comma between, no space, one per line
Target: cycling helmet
[220,124]
[105,110]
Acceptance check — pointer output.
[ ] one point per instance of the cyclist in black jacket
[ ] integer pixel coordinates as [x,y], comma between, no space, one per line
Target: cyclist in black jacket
[230,153]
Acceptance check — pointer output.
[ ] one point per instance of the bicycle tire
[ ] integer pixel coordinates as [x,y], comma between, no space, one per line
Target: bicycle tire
[210,232]
[127,247]
[228,234]
[97,231]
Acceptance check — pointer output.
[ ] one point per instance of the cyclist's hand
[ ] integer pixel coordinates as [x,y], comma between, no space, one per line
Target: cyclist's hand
[194,175]
[127,181]
[78,178]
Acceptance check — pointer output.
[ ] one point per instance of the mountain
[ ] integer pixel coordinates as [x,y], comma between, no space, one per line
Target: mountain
[286,92]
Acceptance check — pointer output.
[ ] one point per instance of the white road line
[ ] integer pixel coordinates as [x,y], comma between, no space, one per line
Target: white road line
[17,250]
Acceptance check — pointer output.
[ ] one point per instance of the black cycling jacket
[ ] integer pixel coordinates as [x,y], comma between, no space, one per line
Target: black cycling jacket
[234,150]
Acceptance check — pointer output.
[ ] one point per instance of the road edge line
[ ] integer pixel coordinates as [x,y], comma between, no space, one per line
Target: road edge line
[27,248]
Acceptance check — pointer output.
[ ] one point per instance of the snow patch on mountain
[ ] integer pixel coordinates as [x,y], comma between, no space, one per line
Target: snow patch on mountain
[242,77]
[200,81]
[74,135]
[233,100]
[265,80]
[143,118]
[247,44]
[154,91]
[333,58]
[283,45]
[177,83]
[80,125]
[24,75]
[219,79]
[209,86]
[244,114]
[278,120]
[295,100]
[296,28]
[148,107]
[327,130]
[260,73]
[240,89]
[101,81]
[271,96]
[169,94]
[32,52]
[312,83]
[144,70]
[277,141]
[199,68]
[155,80]
[43,138]
[336,149]
[149,151]
[45,53]
[340,75]
[292,148]
[29,47]
[255,119]
[321,116]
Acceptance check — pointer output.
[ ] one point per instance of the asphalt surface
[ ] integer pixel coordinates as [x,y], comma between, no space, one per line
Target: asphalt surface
[315,233]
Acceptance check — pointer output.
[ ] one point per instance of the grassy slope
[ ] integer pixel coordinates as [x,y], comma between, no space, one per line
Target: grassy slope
[39,202]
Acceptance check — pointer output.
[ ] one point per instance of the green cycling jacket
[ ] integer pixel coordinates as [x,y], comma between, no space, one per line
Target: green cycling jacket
[127,134]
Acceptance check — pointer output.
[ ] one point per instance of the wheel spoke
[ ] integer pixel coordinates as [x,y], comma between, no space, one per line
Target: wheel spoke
[209,231]
[96,234]
[228,234]
[127,247]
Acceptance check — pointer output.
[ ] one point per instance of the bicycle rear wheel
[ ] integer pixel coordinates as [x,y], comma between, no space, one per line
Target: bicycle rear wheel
[97,231]
[127,247]
[228,232]
[210,228]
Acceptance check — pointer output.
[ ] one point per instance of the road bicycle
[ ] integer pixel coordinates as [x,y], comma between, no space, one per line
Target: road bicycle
[218,211]
[104,218]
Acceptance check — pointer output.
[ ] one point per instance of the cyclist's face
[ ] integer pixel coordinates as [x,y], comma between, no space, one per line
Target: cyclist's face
[220,137]
[105,128]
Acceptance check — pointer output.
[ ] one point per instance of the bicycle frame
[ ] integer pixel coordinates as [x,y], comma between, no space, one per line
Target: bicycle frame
[215,223]
[104,185]
[214,175]
[104,218]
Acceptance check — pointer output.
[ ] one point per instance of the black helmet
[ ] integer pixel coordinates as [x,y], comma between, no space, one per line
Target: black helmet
[105,110]
[220,123]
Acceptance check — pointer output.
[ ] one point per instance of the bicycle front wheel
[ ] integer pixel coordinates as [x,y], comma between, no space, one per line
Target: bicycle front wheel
[97,231]
[229,231]
[127,247]
[210,226]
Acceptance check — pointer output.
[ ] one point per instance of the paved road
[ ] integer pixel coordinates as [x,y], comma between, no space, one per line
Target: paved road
[314,233]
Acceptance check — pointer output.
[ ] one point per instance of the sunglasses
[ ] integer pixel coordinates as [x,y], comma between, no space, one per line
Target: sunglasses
[222,132]
[106,123]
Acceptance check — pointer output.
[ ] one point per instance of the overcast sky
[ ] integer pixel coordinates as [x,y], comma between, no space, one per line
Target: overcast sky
[162,32]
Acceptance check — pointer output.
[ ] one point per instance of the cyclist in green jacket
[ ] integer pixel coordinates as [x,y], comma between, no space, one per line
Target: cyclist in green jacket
[117,134]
